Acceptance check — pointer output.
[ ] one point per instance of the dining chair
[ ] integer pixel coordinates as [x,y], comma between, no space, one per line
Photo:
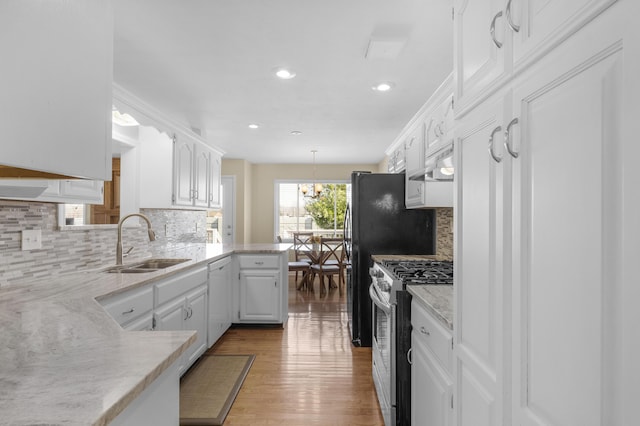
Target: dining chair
[302,242]
[329,263]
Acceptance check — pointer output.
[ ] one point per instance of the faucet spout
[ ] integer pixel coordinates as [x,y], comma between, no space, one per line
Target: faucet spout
[152,235]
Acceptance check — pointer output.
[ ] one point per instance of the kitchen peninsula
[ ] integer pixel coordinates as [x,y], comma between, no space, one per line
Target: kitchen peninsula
[64,360]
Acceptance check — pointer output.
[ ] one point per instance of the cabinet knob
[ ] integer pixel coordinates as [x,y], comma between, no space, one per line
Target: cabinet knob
[424,331]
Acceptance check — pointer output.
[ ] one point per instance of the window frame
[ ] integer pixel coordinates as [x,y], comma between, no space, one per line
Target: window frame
[276,199]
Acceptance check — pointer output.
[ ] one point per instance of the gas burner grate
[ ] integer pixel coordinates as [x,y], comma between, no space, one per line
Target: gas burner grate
[421,271]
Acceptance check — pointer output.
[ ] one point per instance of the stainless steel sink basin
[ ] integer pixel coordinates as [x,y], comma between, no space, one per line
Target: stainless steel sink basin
[149,265]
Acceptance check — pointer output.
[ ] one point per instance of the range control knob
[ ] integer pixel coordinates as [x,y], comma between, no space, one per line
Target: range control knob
[376,273]
[384,286]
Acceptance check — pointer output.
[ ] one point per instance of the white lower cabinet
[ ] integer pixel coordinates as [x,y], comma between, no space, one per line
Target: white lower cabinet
[431,381]
[131,309]
[181,304]
[220,273]
[262,293]
[259,295]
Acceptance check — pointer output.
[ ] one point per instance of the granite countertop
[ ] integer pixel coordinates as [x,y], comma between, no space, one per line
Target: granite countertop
[437,299]
[64,360]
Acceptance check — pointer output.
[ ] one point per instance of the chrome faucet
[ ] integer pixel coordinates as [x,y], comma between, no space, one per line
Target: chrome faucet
[152,235]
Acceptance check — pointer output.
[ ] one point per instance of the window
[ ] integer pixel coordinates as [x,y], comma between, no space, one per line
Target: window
[323,215]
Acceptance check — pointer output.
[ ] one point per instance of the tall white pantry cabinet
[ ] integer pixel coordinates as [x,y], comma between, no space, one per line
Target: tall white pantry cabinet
[547,210]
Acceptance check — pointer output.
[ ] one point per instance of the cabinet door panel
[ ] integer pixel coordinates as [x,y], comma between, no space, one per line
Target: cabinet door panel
[481,227]
[259,295]
[201,177]
[170,316]
[197,320]
[89,191]
[430,389]
[564,279]
[478,61]
[543,22]
[183,171]
[414,148]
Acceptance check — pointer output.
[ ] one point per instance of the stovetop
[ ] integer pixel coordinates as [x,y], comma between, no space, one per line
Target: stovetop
[421,271]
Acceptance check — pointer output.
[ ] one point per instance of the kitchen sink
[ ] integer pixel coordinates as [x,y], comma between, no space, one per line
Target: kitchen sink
[149,265]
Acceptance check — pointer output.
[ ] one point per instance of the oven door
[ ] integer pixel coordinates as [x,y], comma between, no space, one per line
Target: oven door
[382,348]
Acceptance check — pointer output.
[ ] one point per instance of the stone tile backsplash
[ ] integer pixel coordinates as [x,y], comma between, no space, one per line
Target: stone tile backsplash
[65,251]
[444,233]
[73,250]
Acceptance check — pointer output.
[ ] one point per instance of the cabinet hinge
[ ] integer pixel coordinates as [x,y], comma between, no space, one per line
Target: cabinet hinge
[275,283]
[452,401]
[453,14]
[238,275]
[153,323]
[173,198]
[451,344]
[238,314]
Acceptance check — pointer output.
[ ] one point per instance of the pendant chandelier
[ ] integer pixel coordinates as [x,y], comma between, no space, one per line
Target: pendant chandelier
[317,187]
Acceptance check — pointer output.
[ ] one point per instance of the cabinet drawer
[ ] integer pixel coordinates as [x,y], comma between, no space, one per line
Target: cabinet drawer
[426,329]
[258,261]
[175,286]
[130,305]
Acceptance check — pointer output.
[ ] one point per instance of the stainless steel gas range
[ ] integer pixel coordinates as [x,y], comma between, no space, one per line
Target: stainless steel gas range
[391,311]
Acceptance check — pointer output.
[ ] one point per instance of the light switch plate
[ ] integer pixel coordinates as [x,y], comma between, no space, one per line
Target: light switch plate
[31,239]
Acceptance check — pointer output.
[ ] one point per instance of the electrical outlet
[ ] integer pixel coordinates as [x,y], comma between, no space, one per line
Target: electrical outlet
[31,239]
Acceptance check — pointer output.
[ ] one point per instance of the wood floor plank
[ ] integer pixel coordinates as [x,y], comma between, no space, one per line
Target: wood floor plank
[307,373]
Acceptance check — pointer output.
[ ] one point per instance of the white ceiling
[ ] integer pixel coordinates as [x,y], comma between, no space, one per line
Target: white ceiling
[209,64]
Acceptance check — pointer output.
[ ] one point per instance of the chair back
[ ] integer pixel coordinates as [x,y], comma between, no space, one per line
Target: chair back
[331,250]
[302,241]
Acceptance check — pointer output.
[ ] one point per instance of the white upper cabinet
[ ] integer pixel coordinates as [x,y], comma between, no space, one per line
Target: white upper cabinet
[183,172]
[196,174]
[538,25]
[56,81]
[479,42]
[177,168]
[495,40]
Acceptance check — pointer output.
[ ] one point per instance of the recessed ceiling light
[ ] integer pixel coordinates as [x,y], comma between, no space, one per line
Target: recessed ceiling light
[253,126]
[296,132]
[285,74]
[384,86]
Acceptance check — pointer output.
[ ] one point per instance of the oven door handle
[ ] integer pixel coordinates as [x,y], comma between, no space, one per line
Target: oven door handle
[375,298]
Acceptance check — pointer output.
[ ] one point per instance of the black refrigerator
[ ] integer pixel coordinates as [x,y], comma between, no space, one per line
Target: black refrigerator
[377,222]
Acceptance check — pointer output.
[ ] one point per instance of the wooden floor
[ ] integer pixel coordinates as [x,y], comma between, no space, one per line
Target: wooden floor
[307,373]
